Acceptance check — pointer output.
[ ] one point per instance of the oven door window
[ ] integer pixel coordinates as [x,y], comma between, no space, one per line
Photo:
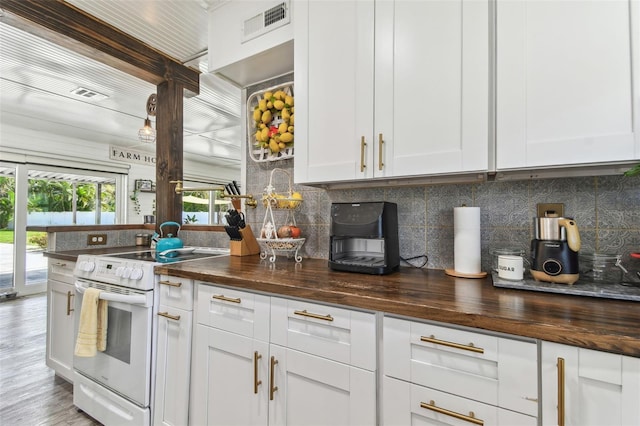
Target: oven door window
[119,335]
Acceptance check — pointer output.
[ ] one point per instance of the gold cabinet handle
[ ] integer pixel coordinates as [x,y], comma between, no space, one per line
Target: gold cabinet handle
[272,380]
[380,143]
[62,265]
[560,391]
[256,382]
[312,315]
[470,418]
[69,308]
[363,144]
[226,299]
[171,283]
[168,315]
[469,347]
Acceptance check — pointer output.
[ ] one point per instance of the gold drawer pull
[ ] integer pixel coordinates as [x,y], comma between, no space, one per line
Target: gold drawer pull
[226,299]
[470,418]
[380,143]
[171,283]
[469,347]
[560,391]
[312,315]
[272,380]
[168,315]
[256,382]
[62,265]
[363,144]
[69,308]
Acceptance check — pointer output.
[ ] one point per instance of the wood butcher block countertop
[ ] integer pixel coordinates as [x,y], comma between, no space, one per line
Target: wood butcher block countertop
[429,294]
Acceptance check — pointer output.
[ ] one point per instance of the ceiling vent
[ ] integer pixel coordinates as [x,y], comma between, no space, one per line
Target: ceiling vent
[88,94]
[265,21]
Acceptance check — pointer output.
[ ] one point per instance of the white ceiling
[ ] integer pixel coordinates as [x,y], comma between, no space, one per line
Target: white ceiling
[37,77]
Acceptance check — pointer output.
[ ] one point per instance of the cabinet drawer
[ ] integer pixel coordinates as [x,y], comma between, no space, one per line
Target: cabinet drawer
[176,292]
[61,270]
[408,404]
[494,370]
[339,334]
[236,311]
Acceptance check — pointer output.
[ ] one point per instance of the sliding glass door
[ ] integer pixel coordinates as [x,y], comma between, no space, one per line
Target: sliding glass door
[40,196]
[7,213]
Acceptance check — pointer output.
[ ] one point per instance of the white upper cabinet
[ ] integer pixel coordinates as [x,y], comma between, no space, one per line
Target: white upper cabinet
[431,87]
[334,89]
[567,82]
[390,89]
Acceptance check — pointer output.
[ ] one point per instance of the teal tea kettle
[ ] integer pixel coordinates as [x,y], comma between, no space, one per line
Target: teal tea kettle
[169,242]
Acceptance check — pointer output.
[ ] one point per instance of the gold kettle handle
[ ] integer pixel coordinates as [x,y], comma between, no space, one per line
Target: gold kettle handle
[573,236]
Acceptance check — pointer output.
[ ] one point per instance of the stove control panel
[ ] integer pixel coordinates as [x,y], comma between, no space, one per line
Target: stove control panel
[127,273]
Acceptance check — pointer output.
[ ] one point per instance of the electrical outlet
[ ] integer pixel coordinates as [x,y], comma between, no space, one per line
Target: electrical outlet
[96,239]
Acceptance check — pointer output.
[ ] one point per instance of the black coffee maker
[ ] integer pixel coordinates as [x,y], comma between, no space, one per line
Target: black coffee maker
[364,237]
[554,251]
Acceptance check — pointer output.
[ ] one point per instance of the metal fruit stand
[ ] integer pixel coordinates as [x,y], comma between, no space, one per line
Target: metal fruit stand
[281,202]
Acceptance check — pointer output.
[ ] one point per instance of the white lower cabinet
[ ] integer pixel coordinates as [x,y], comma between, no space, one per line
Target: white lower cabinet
[405,403]
[60,317]
[267,360]
[231,358]
[311,390]
[231,380]
[173,352]
[461,371]
[587,387]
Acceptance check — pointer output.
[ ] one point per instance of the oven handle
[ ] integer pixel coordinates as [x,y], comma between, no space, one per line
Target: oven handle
[140,299]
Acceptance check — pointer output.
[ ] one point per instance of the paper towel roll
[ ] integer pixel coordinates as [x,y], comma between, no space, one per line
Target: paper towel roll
[466,240]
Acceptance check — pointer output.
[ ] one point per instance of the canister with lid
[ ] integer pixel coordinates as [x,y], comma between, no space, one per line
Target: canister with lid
[504,252]
[605,268]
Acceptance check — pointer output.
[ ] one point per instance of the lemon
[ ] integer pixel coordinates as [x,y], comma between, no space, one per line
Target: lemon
[296,199]
[283,128]
[266,117]
[286,137]
[273,146]
[290,129]
[278,105]
[257,114]
[288,100]
[268,95]
[262,105]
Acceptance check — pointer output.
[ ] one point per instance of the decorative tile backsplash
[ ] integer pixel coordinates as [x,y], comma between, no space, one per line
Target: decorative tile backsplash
[606,209]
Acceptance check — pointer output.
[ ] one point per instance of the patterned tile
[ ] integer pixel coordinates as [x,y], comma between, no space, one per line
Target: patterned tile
[504,204]
[441,199]
[619,202]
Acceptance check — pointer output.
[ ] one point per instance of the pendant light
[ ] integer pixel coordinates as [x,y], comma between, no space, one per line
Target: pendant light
[147,134]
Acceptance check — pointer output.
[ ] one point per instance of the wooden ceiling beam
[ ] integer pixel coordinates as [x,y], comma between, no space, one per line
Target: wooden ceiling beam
[76,30]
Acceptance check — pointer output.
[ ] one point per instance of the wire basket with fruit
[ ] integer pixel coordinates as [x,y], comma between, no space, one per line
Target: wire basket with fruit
[270,123]
[284,238]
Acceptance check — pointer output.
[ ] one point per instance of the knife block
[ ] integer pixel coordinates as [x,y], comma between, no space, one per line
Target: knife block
[245,247]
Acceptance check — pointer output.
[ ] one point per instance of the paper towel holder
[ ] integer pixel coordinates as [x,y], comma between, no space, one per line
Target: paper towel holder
[455,273]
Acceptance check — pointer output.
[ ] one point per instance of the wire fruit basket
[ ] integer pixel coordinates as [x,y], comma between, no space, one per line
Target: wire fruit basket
[270,123]
[283,239]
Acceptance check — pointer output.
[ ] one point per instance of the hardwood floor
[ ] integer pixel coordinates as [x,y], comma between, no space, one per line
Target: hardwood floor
[30,393]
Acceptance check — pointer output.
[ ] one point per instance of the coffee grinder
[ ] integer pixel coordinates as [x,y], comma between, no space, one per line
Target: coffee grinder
[554,251]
